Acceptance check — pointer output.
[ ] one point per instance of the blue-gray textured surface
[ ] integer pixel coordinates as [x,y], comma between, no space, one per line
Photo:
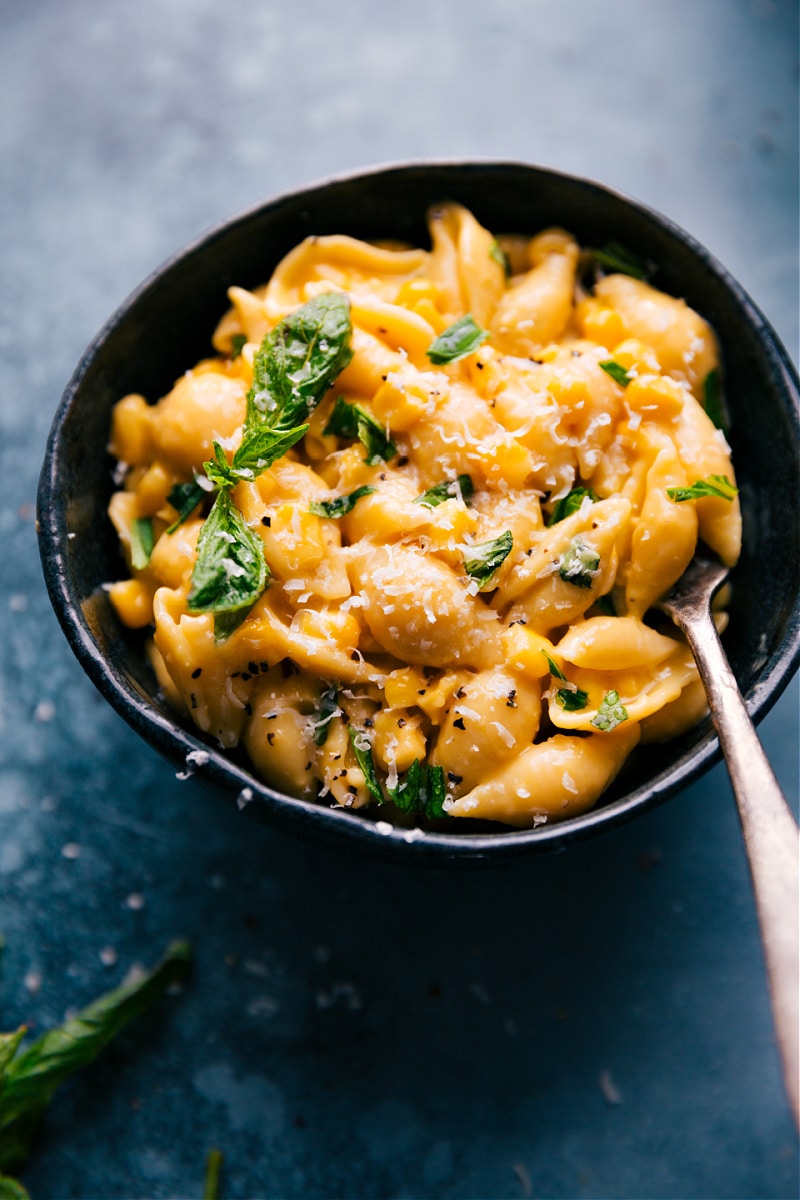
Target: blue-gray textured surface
[589,1025]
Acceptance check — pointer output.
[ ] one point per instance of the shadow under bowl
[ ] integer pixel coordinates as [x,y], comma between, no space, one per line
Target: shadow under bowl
[165,327]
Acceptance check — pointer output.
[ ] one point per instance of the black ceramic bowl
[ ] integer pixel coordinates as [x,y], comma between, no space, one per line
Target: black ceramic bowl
[166,326]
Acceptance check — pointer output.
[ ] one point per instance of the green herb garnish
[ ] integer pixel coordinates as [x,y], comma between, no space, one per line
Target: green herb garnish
[340,506]
[615,257]
[611,713]
[185,497]
[616,371]
[421,792]
[459,488]
[498,255]
[142,542]
[327,709]
[12,1189]
[712,485]
[298,361]
[30,1076]
[353,421]
[579,564]
[572,698]
[485,558]
[362,748]
[459,340]
[293,368]
[230,572]
[238,343]
[570,503]
[712,398]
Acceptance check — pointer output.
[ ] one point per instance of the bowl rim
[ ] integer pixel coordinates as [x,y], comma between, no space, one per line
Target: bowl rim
[210,764]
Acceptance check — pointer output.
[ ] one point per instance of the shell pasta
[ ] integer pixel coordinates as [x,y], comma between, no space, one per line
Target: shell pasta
[400,535]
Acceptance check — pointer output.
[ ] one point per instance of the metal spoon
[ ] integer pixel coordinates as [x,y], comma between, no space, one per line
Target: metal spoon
[769,828]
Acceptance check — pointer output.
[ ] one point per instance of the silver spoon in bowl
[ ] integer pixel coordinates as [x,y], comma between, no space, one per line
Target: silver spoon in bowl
[768,825]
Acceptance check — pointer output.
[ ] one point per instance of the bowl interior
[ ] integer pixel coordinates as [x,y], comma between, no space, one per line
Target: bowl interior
[166,326]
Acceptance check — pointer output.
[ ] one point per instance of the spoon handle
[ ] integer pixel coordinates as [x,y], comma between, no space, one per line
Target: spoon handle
[770,836]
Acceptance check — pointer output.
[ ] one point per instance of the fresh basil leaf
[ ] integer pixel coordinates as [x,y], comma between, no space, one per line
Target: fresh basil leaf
[615,257]
[34,1074]
[485,558]
[712,398]
[435,793]
[579,564]
[340,506]
[422,791]
[298,361]
[460,488]
[616,371]
[498,255]
[611,713]
[12,1189]
[260,448]
[712,485]
[362,749]
[142,542]
[238,343]
[406,794]
[226,623]
[571,698]
[327,709]
[459,340]
[218,469]
[185,497]
[353,421]
[570,503]
[230,571]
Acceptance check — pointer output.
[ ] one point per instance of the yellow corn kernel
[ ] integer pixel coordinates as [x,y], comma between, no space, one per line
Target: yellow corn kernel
[131,430]
[340,627]
[599,323]
[525,651]
[634,354]
[569,391]
[399,403]
[507,461]
[133,602]
[656,396]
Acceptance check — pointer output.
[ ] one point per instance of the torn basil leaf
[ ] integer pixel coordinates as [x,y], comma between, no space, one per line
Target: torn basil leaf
[611,713]
[712,398]
[340,506]
[712,485]
[362,748]
[459,488]
[261,448]
[617,258]
[298,361]
[616,371]
[571,698]
[185,497]
[327,709]
[238,343]
[353,421]
[230,571]
[498,255]
[485,558]
[142,542]
[570,504]
[579,564]
[421,791]
[459,340]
